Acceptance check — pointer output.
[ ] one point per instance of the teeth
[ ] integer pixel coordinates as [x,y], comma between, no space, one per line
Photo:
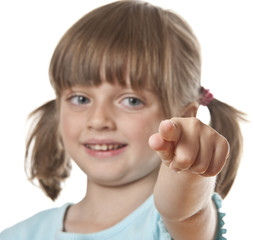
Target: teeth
[103,147]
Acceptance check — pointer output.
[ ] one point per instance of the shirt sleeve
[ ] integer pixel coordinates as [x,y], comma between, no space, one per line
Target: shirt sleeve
[220,227]
[164,235]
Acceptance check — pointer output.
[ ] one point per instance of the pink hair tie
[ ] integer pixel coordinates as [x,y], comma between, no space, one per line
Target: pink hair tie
[206,97]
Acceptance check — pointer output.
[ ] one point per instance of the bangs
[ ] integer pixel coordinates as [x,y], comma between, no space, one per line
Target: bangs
[116,43]
[134,43]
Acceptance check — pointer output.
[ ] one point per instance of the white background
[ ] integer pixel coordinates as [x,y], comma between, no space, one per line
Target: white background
[29,32]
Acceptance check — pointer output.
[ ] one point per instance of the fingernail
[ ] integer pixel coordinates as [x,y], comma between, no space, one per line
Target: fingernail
[168,123]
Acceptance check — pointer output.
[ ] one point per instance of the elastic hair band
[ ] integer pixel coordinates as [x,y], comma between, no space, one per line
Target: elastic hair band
[206,97]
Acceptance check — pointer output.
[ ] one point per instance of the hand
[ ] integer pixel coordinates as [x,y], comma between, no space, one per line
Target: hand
[186,144]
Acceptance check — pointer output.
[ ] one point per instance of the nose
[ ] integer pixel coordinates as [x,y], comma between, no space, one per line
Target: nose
[101,118]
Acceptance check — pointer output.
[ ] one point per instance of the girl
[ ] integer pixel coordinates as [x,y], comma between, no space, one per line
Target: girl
[117,73]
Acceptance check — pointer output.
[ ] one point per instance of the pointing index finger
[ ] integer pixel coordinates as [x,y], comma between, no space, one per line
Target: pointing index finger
[170,131]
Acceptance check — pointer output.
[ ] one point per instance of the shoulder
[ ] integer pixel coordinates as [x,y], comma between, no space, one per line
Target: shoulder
[39,226]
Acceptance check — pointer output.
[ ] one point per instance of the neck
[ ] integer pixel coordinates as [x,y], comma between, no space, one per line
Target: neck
[104,206]
[119,198]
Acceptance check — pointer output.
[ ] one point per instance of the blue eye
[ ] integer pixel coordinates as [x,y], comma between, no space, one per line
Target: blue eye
[133,102]
[79,100]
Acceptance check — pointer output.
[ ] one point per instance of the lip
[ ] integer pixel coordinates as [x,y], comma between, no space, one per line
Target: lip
[104,148]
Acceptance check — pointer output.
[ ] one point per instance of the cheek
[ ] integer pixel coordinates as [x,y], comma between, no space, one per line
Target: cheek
[143,128]
[146,155]
[68,130]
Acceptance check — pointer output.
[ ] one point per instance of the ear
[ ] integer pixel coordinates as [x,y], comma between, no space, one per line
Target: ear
[190,110]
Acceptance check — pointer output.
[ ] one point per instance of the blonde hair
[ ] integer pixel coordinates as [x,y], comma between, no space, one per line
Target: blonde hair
[123,40]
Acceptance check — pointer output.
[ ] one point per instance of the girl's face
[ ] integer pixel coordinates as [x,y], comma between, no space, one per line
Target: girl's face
[105,130]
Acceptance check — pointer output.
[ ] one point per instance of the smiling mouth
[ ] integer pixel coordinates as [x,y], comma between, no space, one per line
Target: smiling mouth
[104,147]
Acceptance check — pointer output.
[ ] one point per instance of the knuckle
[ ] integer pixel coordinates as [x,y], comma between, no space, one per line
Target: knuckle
[195,123]
[200,169]
[185,161]
[213,171]
[216,168]
[211,133]
[225,144]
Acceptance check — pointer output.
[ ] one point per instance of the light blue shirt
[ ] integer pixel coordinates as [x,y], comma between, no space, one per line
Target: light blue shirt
[143,224]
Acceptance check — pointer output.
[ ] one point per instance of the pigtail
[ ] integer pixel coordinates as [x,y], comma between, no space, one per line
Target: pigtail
[225,120]
[48,162]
